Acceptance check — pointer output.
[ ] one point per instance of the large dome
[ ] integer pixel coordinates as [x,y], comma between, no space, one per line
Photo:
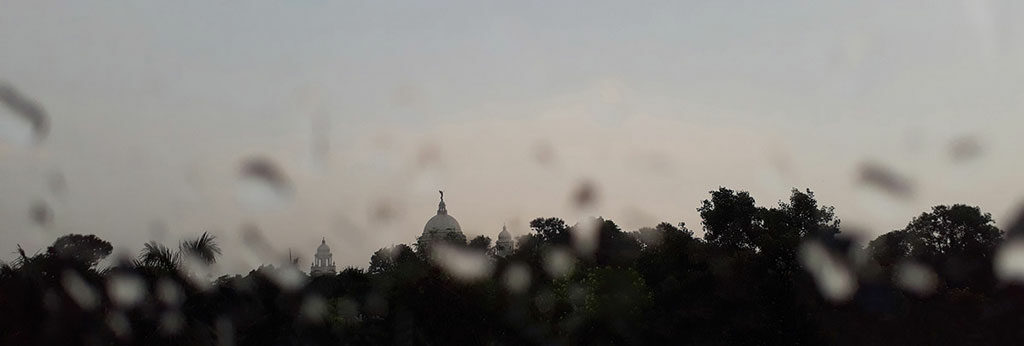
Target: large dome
[441,227]
[442,223]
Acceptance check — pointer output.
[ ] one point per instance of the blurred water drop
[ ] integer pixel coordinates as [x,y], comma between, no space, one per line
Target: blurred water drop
[558,262]
[881,177]
[833,278]
[1016,225]
[287,277]
[964,148]
[1009,261]
[80,291]
[517,278]
[383,211]
[197,271]
[347,309]
[544,153]
[463,264]
[171,322]
[119,324]
[313,308]
[545,300]
[428,155]
[650,237]
[915,277]
[51,301]
[125,290]
[585,235]
[262,185]
[585,195]
[22,121]
[57,183]
[169,292]
[41,214]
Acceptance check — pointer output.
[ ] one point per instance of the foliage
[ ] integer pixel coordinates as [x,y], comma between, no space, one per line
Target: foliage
[753,278]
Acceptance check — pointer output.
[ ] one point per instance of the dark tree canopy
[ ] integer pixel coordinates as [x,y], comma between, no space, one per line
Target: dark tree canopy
[87,249]
[480,242]
[552,230]
[729,219]
[956,230]
[760,276]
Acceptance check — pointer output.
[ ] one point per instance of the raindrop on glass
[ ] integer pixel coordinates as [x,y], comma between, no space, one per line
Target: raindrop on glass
[22,121]
[263,185]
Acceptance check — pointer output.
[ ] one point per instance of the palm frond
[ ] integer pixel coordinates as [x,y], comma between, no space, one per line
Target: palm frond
[204,248]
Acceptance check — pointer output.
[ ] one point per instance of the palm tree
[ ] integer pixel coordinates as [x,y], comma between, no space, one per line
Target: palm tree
[204,248]
[157,256]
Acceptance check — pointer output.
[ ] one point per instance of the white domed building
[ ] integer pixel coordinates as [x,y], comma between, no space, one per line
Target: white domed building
[440,228]
[503,247]
[323,261]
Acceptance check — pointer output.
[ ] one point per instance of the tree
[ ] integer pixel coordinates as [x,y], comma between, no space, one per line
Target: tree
[204,248]
[890,248]
[552,230]
[958,230]
[480,242]
[387,259]
[729,219]
[157,256]
[86,249]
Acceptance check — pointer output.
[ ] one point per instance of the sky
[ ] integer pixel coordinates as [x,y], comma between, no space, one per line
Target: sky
[367,109]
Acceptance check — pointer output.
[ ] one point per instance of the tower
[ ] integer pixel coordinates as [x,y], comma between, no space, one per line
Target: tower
[323,261]
[503,247]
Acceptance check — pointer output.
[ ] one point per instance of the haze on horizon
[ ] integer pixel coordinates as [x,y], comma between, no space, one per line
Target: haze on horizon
[368,109]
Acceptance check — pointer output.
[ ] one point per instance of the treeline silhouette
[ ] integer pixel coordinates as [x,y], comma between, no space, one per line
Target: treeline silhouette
[783,274]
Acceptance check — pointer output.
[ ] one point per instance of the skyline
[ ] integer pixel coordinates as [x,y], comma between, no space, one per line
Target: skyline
[368,109]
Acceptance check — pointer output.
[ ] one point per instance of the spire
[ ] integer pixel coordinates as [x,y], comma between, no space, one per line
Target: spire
[440,206]
[323,240]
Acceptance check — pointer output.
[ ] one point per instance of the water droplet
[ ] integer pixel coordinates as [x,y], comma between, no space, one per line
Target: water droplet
[347,309]
[1009,262]
[585,235]
[915,277]
[462,263]
[126,290]
[964,149]
[313,308]
[80,291]
[169,292]
[517,278]
[171,322]
[878,176]
[22,121]
[428,155]
[585,195]
[545,301]
[544,153]
[57,183]
[558,262]
[41,214]
[262,185]
[834,280]
[119,324]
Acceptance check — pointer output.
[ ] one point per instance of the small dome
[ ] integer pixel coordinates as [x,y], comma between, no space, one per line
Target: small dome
[504,235]
[323,248]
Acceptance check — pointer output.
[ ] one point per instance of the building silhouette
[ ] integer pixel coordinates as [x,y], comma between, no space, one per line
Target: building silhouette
[323,261]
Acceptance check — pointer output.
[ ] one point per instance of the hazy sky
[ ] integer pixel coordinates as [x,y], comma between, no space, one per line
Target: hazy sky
[369,108]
